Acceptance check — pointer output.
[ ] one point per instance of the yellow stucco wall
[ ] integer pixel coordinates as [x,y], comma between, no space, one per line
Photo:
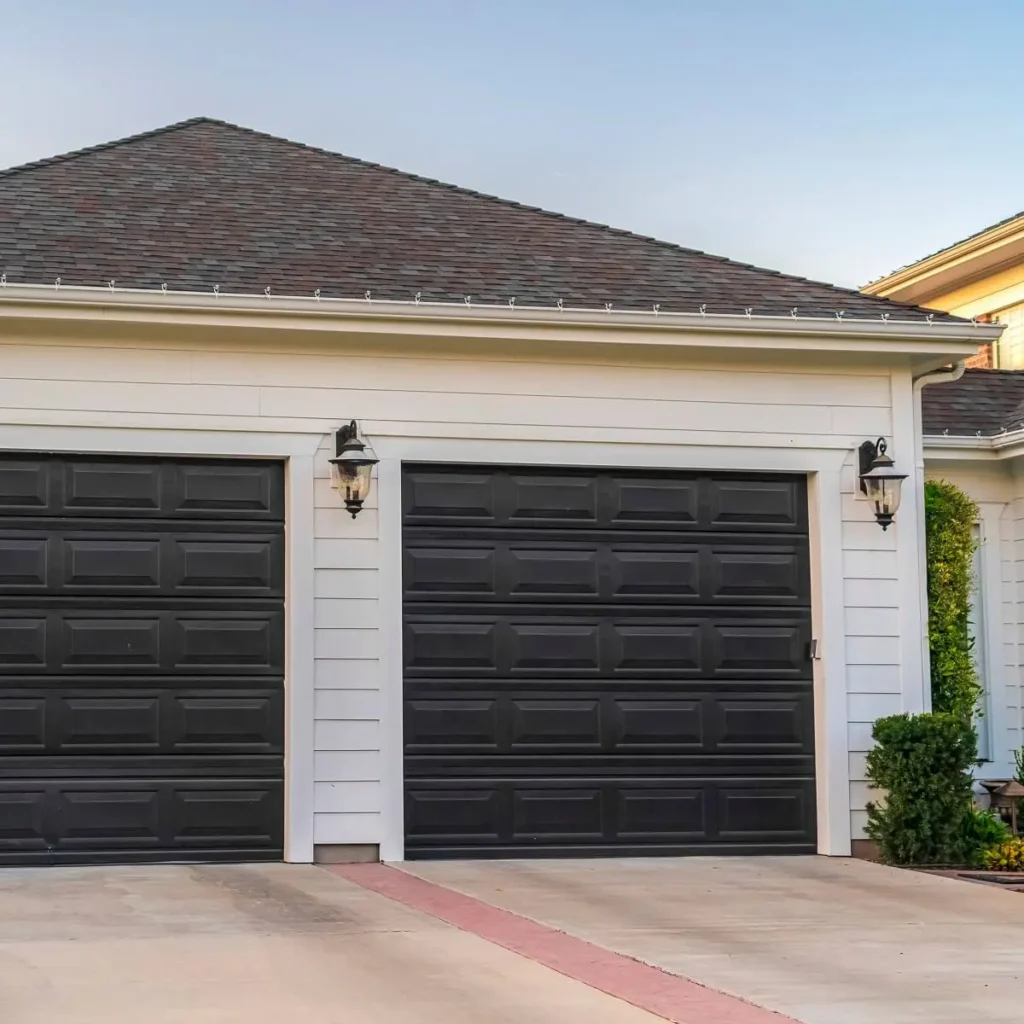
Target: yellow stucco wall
[980,277]
[1011,344]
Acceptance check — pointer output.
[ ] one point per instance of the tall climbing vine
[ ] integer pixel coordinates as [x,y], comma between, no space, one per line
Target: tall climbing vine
[950,516]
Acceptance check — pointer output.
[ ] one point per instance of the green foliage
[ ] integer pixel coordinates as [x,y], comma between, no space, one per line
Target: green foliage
[950,516]
[1018,760]
[979,832]
[1005,856]
[922,765]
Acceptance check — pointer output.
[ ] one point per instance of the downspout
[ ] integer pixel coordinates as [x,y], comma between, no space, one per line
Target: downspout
[945,376]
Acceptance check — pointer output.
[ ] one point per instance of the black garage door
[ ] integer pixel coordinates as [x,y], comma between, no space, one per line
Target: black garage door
[606,662]
[141,659]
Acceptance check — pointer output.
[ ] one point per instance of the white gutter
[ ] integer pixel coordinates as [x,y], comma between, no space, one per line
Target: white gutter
[920,383]
[104,301]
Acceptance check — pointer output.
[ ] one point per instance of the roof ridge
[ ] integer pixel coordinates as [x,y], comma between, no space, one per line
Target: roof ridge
[462,190]
[74,154]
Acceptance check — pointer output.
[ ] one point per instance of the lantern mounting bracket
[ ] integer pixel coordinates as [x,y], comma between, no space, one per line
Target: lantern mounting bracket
[867,453]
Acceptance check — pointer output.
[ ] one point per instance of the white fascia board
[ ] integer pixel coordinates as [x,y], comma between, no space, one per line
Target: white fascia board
[915,338]
[974,449]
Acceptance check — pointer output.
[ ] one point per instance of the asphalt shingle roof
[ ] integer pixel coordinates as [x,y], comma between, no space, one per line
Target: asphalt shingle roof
[982,402]
[204,202]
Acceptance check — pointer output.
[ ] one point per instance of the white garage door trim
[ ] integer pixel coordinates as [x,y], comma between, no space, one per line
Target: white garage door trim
[298,451]
[823,470]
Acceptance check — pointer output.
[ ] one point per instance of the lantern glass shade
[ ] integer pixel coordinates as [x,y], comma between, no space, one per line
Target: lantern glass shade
[880,481]
[352,469]
[884,493]
[351,479]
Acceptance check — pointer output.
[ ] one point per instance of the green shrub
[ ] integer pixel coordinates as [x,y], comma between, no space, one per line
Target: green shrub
[980,831]
[950,516]
[1006,856]
[922,765]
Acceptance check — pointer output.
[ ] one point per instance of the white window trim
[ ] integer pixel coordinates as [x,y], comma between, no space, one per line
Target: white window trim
[991,655]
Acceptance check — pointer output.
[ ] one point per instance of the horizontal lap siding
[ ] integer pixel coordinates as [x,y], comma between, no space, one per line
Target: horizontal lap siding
[873,679]
[185,386]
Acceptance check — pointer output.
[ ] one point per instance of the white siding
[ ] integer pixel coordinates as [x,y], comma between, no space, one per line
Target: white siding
[871,591]
[592,398]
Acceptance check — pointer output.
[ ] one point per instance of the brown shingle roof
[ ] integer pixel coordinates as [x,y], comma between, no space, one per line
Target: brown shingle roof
[982,401]
[204,202]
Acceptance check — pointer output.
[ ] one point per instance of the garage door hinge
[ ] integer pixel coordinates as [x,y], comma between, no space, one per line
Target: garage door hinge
[815,656]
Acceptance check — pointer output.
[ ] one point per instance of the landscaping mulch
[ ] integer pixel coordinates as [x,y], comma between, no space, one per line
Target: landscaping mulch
[1006,880]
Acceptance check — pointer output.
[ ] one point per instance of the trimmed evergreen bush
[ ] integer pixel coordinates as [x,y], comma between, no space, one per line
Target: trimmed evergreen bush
[922,765]
[950,516]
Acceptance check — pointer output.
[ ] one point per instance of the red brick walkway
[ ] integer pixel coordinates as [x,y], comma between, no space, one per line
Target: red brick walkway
[665,995]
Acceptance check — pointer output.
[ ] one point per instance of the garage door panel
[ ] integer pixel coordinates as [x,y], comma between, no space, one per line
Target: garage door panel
[551,646]
[567,497]
[23,722]
[91,486]
[23,643]
[456,495]
[761,649]
[103,485]
[71,819]
[23,563]
[657,501]
[761,575]
[453,814]
[451,647]
[143,719]
[761,503]
[23,812]
[547,498]
[586,815]
[759,812]
[606,661]
[452,723]
[24,485]
[720,645]
[112,561]
[551,719]
[68,641]
[564,724]
[592,572]
[141,659]
[557,813]
[675,814]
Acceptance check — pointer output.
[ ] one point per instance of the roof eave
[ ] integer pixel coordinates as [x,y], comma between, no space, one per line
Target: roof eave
[946,340]
[987,448]
[961,261]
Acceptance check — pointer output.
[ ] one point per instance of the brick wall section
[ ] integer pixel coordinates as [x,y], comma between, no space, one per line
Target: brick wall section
[982,360]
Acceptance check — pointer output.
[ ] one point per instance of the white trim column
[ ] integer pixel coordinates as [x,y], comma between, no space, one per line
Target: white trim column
[299,675]
[990,598]
[831,720]
[392,726]
[915,681]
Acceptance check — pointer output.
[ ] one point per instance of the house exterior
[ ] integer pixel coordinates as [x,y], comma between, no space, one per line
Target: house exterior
[972,427]
[973,431]
[614,588]
[981,276]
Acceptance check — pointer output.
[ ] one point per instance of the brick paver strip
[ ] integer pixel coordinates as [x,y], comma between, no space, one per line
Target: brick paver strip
[649,988]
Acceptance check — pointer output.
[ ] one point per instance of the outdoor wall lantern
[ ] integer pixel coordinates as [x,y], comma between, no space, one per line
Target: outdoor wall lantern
[352,468]
[880,481]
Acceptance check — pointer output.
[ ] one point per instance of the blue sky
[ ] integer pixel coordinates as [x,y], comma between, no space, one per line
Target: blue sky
[835,139]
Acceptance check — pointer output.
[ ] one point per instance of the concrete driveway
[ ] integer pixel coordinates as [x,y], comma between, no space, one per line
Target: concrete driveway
[823,941]
[257,945]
